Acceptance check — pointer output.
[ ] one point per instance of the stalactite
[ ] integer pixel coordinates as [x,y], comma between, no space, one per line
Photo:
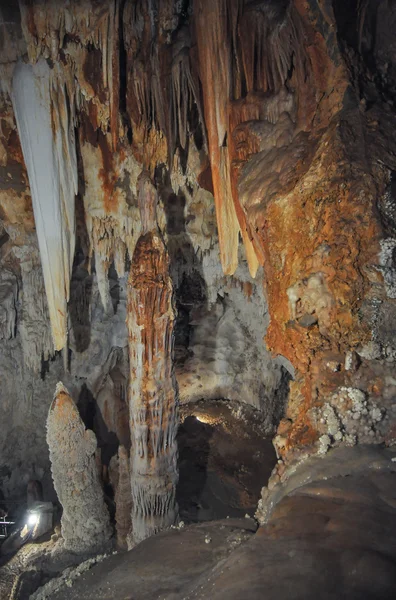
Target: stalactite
[157,42]
[85,521]
[140,45]
[113,226]
[269,36]
[114,69]
[152,388]
[362,11]
[8,298]
[258,47]
[34,326]
[184,90]
[46,129]
[213,41]
[75,28]
[111,239]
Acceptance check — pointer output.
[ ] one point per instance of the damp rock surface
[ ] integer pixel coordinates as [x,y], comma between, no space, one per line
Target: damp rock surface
[163,566]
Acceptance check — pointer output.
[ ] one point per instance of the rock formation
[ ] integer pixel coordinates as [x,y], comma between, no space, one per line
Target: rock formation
[152,388]
[115,88]
[121,481]
[261,119]
[44,112]
[85,520]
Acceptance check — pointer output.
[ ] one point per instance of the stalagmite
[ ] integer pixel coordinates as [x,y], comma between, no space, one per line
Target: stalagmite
[85,520]
[122,497]
[44,116]
[152,388]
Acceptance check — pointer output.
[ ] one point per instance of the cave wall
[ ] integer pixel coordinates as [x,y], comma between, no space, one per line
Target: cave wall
[261,121]
[221,320]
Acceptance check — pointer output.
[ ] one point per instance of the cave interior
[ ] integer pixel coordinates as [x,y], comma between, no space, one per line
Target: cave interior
[197,299]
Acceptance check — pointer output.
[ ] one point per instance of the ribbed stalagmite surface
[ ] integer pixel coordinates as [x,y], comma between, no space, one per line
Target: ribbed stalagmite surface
[152,392]
[85,520]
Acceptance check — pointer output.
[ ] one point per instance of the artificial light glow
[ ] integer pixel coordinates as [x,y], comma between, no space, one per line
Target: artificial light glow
[204,419]
[32,519]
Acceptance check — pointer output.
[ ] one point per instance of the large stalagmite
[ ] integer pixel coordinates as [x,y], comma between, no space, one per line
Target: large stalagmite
[85,520]
[45,120]
[152,392]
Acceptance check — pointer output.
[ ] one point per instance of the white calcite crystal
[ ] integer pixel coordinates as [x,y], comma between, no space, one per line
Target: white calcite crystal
[347,418]
[387,266]
[324,444]
[311,298]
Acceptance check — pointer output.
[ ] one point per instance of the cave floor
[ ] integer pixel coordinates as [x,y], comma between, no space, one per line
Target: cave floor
[163,566]
[225,456]
[330,534]
[333,538]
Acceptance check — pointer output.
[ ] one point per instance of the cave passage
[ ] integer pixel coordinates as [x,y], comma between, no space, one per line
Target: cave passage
[224,460]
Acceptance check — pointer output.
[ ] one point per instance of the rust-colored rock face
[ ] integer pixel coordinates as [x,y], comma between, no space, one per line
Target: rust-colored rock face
[152,387]
[304,190]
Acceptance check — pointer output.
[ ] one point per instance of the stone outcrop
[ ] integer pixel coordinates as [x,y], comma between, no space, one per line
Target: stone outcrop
[307,177]
[85,523]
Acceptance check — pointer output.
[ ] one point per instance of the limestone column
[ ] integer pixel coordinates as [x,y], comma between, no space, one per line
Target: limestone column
[152,388]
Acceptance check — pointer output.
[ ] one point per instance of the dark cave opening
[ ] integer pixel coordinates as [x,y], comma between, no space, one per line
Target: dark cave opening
[190,289]
[225,457]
